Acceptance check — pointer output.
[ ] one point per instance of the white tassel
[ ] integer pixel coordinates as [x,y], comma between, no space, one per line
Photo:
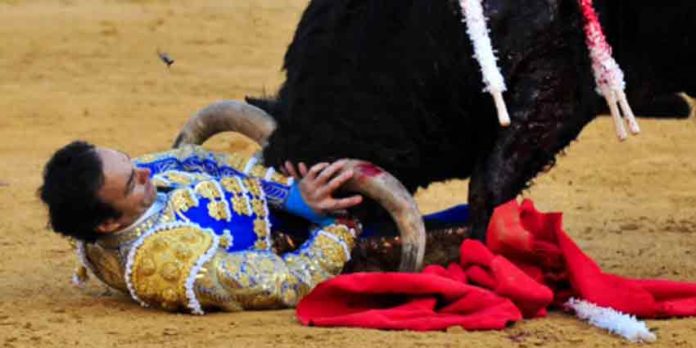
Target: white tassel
[477,29]
[611,320]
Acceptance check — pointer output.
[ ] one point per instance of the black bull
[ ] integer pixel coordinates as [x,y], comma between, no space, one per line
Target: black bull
[655,43]
[394,82]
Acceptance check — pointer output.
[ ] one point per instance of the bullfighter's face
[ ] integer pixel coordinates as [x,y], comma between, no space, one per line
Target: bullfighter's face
[126,188]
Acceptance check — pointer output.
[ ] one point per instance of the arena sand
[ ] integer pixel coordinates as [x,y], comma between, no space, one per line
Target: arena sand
[88,69]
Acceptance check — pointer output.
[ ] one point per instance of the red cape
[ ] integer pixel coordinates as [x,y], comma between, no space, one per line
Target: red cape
[528,264]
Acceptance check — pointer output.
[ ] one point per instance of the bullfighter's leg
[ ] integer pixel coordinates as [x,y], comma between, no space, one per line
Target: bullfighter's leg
[550,103]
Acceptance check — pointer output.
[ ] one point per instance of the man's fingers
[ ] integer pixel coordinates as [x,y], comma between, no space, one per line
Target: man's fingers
[327,189]
[342,203]
[337,182]
[316,169]
[303,169]
[330,171]
[290,168]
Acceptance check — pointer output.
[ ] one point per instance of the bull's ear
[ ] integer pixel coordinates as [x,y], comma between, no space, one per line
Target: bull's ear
[108,226]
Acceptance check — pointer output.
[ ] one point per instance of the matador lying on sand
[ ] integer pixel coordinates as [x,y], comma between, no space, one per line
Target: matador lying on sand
[192,230]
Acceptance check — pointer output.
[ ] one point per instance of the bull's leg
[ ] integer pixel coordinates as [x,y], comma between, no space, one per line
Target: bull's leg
[664,106]
[550,103]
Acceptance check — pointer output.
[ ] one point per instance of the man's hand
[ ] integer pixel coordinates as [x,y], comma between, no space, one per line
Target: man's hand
[318,184]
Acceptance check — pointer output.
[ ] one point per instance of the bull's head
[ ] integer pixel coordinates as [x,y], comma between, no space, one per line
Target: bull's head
[369,180]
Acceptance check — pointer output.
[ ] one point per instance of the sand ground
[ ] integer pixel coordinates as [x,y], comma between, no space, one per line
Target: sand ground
[88,69]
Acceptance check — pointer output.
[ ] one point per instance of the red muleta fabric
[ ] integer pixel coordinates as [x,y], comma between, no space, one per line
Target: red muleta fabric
[528,265]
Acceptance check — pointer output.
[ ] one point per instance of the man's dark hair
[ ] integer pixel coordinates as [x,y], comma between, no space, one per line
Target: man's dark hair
[71,181]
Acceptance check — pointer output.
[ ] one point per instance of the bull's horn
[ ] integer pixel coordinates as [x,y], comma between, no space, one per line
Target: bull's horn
[370,180]
[378,184]
[223,116]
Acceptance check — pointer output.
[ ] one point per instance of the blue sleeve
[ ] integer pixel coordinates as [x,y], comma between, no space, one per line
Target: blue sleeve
[296,205]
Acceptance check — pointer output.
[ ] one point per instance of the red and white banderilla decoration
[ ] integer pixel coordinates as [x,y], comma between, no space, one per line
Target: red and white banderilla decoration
[608,75]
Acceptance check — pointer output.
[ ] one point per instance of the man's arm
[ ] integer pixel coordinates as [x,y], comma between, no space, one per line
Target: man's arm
[307,194]
[261,280]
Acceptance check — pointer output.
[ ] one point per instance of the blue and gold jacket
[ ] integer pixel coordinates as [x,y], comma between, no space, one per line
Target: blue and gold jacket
[206,241]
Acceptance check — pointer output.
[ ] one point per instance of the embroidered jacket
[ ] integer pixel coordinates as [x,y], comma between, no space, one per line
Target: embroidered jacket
[205,243]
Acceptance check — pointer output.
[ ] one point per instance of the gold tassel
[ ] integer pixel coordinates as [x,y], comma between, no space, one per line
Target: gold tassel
[80,276]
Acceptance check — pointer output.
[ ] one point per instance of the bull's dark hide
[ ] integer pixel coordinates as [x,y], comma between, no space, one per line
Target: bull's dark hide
[394,82]
[655,43]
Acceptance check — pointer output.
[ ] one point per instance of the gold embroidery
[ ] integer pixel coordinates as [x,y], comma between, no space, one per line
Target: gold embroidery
[208,189]
[107,265]
[147,266]
[289,296]
[255,280]
[160,268]
[261,245]
[259,207]
[168,215]
[330,254]
[280,178]
[225,242]
[243,280]
[231,185]
[263,280]
[253,186]
[226,239]
[160,244]
[197,177]
[114,240]
[182,252]
[170,271]
[237,161]
[183,200]
[261,228]
[218,210]
[343,233]
[332,257]
[178,178]
[258,171]
[240,205]
[265,266]
[228,270]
